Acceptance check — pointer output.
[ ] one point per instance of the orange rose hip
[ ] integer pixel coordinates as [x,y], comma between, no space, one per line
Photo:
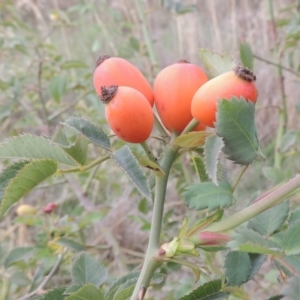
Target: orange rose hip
[118,71]
[128,113]
[174,88]
[238,83]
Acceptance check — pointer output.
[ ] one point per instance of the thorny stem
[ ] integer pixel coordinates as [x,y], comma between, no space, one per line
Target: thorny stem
[154,240]
[271,199]
[83,168]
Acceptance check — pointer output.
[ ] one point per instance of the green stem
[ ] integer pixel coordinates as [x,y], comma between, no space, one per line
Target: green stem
[83,168]
[190,126]
[160,128]
[46,280]
[154,240]
[148,40]
[271,199]
[148,151]
[240,175]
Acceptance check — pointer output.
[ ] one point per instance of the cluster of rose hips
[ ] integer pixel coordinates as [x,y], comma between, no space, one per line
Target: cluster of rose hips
[181,92]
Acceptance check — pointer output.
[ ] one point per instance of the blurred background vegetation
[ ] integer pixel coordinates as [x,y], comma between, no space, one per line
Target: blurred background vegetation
[48,50]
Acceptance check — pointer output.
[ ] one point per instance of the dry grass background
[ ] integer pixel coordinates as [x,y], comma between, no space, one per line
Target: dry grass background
[215,24]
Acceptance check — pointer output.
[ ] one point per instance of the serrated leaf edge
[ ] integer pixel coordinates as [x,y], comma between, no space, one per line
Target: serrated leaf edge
[16,177]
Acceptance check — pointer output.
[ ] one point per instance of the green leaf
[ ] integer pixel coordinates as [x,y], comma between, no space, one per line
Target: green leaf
[295,216]
[8,174]
[87,269]
[291,239]
[258,249]
[212,149]
[87,292]
[207,195]
[256,261]
[246,55]
[70,244]
[129,164]
[119,282]
[270,220]
[72,289]
[124,291]
[276,175]
[278,297]
[58,87]
[215,63]
[143,206]
[248,240]
[74,64]
[191,139]
[33,147]
[293,261]
[291,291]
[93,132]
[211,290]
[149,164]
[200,168]
[55,294]
[237,268]
[33,173]
[20,278]
[236,126]
[134,43]
[17,254]
[288,140]
[77,149]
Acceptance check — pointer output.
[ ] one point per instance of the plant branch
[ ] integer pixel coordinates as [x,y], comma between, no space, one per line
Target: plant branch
[271,199]
[47,278]
[276,65]
[282,262]
[83,168]
[154,240]
[148,40]
[160,128]
[148,151]
[190,126]
[240,175]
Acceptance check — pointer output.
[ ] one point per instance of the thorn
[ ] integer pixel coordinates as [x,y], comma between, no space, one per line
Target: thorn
[142,293]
